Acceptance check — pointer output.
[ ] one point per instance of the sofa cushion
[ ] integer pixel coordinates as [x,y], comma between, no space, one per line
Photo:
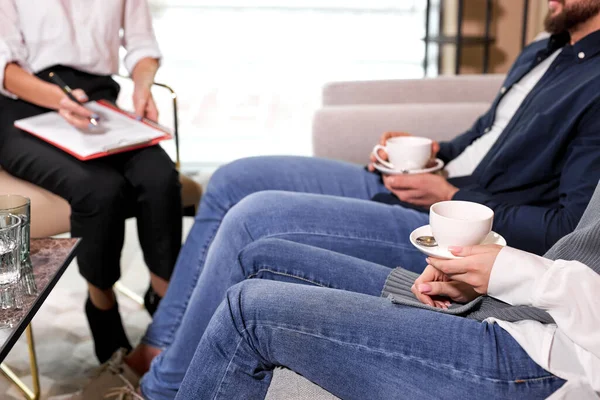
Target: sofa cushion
[349,132]
[288,385]
[443,89]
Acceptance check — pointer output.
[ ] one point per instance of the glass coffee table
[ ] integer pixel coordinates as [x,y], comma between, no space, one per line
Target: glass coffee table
[49,258]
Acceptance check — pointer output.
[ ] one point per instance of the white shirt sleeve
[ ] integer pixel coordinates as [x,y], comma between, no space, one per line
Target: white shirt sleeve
[574,390]
[567,290]
[138,35]
[12,48]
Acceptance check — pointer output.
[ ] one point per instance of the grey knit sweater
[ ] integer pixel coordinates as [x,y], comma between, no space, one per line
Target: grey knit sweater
[582,245]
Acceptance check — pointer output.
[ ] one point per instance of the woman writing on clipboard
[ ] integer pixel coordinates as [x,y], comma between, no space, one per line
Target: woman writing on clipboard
[79,41]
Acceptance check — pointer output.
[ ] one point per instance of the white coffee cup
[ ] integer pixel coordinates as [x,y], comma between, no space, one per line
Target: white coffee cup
[460,223]
[405,152]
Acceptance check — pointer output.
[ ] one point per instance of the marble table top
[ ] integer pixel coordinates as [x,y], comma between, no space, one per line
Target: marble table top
[49,258]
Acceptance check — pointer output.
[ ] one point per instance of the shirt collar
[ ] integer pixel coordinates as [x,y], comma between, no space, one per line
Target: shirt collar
[558,41]
[587,47]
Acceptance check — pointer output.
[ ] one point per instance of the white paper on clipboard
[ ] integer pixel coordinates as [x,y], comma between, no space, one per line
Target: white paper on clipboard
[117,132]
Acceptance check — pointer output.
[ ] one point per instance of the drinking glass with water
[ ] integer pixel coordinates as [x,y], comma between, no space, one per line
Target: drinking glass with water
[10,261]
[21,207]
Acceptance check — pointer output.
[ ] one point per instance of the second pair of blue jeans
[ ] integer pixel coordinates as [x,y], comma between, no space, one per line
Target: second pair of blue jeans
[321,203]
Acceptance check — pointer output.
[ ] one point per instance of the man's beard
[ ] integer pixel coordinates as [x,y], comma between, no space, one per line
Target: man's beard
[571,16]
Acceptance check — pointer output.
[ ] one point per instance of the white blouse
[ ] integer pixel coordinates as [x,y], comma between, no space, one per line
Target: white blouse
[82,34]
[568,291]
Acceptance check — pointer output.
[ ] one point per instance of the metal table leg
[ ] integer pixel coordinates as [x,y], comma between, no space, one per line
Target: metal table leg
[31,394]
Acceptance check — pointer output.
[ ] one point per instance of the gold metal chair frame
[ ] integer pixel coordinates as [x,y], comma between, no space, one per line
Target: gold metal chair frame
[30,394]
[34,393]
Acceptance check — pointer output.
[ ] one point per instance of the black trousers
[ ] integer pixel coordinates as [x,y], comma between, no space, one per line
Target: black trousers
[102,192]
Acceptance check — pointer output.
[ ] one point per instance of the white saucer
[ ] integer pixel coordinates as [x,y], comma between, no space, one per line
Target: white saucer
[439,164]
[437,252]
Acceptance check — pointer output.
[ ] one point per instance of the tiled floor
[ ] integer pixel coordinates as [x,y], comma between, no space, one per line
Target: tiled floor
[64,347]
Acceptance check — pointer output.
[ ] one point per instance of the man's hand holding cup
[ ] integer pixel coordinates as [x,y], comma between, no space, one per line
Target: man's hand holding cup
[435,148]
[402,151]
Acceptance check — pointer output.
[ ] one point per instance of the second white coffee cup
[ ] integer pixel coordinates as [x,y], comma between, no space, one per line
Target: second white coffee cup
[405,152]
[460,223]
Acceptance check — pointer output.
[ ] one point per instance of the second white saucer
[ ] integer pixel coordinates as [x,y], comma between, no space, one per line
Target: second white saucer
[439,164]
[438,252]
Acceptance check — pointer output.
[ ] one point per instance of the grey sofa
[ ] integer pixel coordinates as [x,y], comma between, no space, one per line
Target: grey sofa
[351,120]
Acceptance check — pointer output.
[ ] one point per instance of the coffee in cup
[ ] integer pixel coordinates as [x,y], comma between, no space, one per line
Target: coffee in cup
[405,152]
[460,223]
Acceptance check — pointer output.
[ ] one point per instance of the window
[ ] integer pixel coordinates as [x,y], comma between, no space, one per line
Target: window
[249,73]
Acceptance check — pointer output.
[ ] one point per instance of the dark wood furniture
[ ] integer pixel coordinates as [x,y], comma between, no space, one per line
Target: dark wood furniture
[459,40]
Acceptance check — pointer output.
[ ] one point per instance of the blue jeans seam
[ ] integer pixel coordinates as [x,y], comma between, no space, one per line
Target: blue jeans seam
[218,390]
[275,235]
[251,276]
[401,355]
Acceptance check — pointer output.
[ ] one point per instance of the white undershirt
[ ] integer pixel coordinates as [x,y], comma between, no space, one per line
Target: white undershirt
[85,35]
[469,159]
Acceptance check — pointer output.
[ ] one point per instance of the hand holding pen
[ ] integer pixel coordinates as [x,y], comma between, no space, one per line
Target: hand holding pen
[71,107]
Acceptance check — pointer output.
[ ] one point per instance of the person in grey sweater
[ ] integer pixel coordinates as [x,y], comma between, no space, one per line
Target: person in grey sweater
[496,323]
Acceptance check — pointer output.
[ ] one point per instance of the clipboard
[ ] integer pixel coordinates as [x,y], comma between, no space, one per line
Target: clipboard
[121,132]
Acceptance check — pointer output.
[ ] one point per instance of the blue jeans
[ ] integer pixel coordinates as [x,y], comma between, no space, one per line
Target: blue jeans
[329,210]
[355,345]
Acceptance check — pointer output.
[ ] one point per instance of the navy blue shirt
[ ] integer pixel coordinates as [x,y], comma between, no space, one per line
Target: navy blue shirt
[542,171]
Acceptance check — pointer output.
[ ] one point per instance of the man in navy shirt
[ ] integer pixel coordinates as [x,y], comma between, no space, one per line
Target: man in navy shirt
[534,158]
[540,170]
[537,166]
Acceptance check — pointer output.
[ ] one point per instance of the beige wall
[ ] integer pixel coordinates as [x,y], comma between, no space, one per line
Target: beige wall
[506,28]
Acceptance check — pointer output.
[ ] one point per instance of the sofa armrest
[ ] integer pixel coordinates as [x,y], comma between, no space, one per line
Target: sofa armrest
[446,89]
[349,132]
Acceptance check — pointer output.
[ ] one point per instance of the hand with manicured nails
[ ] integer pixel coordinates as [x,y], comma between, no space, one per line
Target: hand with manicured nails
[460,279]
[73,113]
[434,288]
[435,147]
[143,103]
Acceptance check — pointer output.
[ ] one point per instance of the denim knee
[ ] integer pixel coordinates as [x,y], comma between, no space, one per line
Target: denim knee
[234,181]
[270,251]
[250,212]
[231,176]
[243,298]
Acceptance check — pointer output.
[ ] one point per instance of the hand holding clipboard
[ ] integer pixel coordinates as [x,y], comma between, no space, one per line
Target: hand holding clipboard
[120,132]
